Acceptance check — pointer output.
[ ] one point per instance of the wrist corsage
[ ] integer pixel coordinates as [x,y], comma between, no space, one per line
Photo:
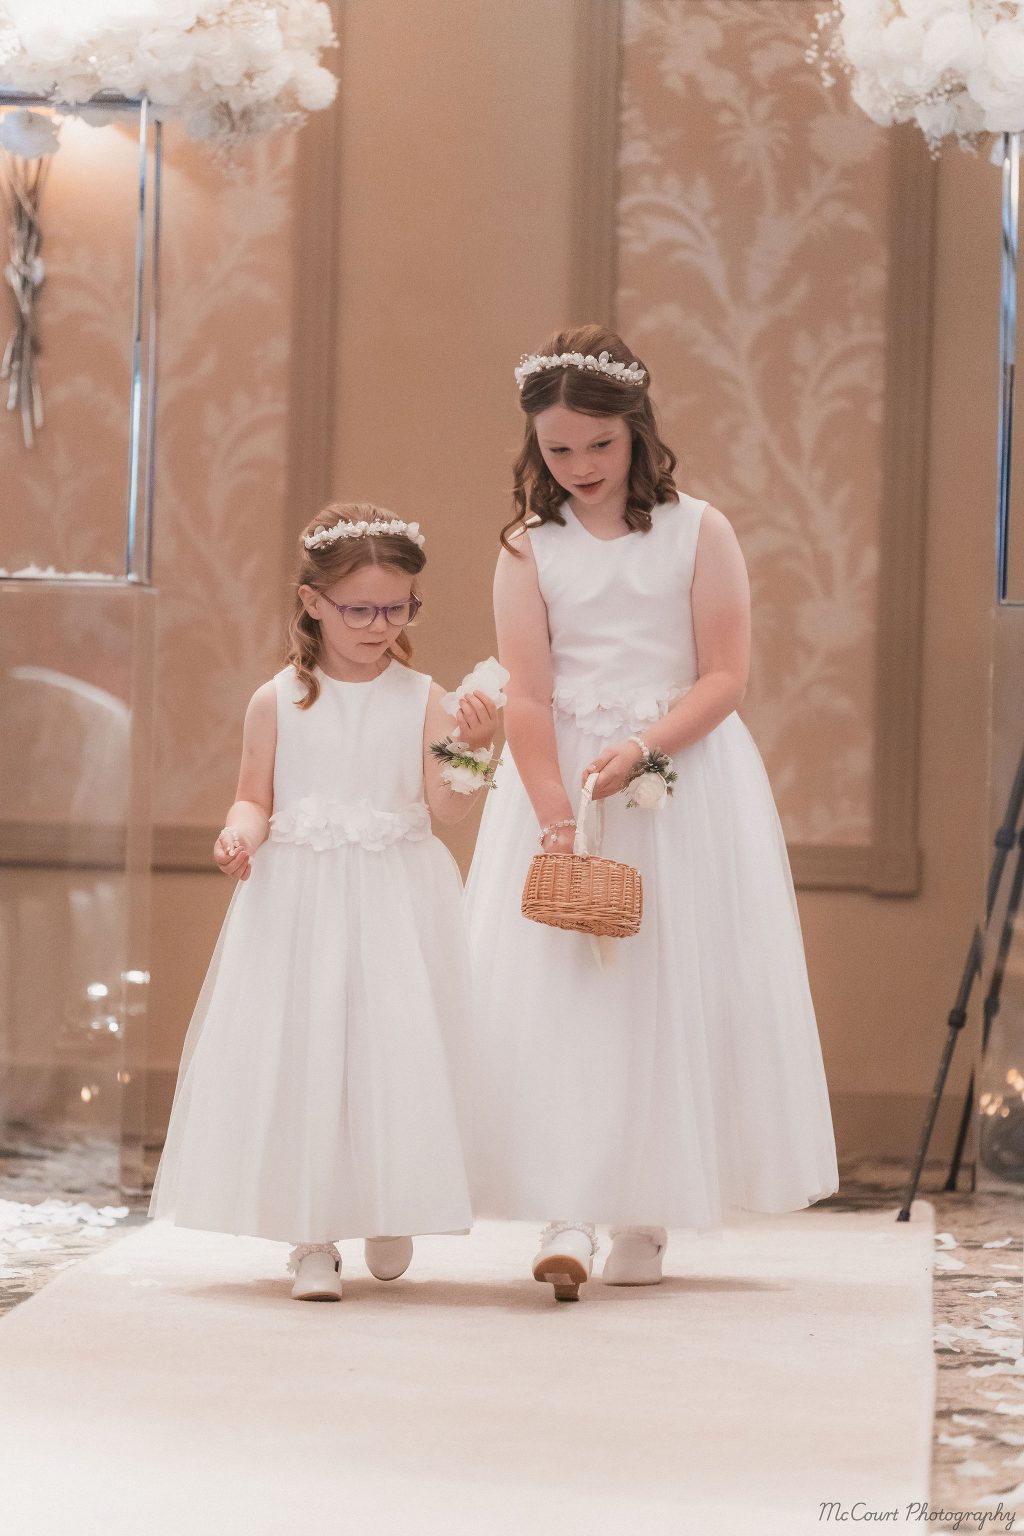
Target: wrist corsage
[465,770]
[652,779]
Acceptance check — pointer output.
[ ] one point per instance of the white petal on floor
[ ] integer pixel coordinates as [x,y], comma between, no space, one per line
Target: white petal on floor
[1008,1500]
[945,1240]
[1000,1242]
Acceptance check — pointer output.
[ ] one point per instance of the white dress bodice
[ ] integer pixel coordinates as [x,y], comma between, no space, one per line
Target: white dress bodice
[350,768]
[619,617]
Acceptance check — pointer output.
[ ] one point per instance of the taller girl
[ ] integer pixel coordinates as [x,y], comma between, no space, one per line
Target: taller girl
[682,1078]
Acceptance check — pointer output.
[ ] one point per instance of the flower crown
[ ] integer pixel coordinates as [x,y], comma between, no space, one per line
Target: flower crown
[345,530]
[626,373]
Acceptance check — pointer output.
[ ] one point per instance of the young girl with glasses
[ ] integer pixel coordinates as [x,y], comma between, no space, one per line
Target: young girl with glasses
[669,1078]
[314,1099]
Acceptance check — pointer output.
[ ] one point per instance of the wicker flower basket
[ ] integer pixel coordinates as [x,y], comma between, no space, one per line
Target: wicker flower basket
[582,891]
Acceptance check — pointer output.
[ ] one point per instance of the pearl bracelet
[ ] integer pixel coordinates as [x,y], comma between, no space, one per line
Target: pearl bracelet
[645,749]
[553,826]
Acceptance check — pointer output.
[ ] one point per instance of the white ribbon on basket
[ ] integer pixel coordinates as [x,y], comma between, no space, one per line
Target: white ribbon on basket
[603,944]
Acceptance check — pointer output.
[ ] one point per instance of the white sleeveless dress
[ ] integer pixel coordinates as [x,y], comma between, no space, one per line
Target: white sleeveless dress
[684,1079]
[314,1099]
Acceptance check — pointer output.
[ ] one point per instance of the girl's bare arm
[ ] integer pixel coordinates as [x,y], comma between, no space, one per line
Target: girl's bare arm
[524,647]
[250,814]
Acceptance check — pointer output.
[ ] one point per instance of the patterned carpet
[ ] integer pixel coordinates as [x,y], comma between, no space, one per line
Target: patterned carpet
[59,1204]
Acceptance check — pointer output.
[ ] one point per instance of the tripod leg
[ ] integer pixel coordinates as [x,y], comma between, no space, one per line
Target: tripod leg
[993,998]
[961,1138]
[957,1020]
[929,1124]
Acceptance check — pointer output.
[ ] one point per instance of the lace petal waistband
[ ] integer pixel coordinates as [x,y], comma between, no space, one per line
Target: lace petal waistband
[604,712]
[320,823]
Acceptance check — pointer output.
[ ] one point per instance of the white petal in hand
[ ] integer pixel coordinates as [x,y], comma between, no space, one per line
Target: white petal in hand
[232,856]
[487,677]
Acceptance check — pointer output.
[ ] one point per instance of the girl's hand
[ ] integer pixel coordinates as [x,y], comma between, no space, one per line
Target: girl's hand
[476,720]
[233,855]
[613,767]
[560,840]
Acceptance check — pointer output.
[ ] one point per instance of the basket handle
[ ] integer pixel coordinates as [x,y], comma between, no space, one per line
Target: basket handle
[579,845]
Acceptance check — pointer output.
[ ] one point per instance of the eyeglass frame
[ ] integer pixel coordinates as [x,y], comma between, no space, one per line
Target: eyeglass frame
[415,603]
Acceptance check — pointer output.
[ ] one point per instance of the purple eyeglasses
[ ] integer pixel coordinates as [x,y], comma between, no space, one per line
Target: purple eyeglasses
[362,615]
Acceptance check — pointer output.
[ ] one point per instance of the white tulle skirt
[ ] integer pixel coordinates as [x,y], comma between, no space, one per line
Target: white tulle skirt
[315,1099]
[683,1079]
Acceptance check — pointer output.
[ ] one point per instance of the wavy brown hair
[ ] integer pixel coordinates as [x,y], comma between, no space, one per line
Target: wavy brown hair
[326,564]
[535,491]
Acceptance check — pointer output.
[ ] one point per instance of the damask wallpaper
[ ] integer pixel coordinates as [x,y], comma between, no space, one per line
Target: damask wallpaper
[225,337]
[752,271]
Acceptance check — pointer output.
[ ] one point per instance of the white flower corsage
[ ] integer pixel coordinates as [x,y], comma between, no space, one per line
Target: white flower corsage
[466,770]
[487,677]
[652,779]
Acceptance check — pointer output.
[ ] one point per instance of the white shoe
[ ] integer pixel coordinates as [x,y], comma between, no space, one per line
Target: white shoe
[566,1254]
[388,1257]
[317,1271]
[636,1256]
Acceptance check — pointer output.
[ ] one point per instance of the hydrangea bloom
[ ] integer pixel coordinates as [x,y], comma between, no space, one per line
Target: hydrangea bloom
[228,68]
[955,67]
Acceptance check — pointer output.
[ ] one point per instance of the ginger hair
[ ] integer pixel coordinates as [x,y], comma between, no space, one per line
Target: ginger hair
[535,491]
[326,564]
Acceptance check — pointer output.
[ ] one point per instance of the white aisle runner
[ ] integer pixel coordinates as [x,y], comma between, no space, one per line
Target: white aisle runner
[169,1384]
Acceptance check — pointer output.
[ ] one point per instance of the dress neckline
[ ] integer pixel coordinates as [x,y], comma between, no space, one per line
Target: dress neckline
[583,529]
[367,682]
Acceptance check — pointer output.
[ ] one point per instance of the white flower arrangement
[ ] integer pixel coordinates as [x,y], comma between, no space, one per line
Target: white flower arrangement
[487,677]
[228,68]
[955,67]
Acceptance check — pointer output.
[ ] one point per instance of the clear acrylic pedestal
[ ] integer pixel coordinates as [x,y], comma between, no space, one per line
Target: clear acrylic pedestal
[77,669]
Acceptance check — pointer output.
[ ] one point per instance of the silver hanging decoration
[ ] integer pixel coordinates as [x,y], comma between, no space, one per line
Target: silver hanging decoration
[24,274]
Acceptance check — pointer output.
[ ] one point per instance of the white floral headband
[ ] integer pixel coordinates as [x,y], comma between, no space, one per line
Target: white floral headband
[344,530]
[625,373]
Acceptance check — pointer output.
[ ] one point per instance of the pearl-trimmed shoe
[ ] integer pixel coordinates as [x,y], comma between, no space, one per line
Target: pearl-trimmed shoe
[317,1271]
[565,1258]
[636,1256]
[388,1257]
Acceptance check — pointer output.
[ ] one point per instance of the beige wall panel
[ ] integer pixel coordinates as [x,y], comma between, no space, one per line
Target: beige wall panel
[885,971]
[753,228]
[455,229]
